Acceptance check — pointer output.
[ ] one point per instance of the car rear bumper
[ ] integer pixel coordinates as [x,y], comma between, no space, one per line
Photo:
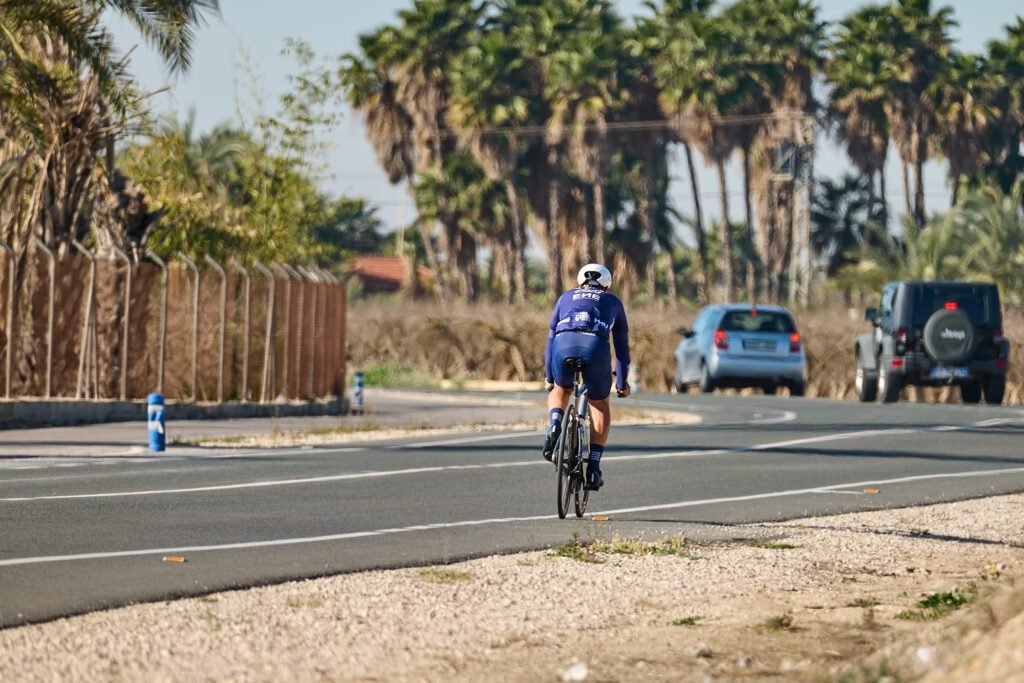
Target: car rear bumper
[918,368]
[728,369]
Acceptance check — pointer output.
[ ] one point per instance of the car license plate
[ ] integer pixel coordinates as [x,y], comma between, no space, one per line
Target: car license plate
[949,373]
[758,345]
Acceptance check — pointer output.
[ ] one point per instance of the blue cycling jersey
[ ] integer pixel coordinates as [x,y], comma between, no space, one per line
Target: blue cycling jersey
[592,311]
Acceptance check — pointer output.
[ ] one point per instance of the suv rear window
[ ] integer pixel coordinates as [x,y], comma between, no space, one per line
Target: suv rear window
[757,321]
[977,301]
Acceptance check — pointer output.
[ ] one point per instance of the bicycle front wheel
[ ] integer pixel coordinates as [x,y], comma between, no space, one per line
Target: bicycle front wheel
[567,445]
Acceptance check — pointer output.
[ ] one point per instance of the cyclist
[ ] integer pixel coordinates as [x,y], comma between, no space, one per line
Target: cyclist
[581,324]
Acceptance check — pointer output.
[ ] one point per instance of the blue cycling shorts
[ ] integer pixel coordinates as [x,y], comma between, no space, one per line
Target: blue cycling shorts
[597,375]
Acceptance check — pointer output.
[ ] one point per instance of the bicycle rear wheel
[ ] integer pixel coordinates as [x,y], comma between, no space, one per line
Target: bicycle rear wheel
[582,493]
[567,445]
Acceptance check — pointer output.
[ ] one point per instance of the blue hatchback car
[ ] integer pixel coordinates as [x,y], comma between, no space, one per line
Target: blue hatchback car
[742,345]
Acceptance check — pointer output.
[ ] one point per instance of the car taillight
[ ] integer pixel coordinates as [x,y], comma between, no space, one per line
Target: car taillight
[901,340]
[721,340]
[951,306]
[794,342]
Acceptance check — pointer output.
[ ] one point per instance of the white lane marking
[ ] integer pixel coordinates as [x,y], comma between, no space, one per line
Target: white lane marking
[783,415]
[499,520]
[817,489]
[469,439]
[531,463]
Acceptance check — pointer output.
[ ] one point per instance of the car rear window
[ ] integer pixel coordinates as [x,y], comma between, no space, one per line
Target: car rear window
[757,321]
[977,301]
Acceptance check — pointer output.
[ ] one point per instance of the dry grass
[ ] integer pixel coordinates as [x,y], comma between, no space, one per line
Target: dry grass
[501,342]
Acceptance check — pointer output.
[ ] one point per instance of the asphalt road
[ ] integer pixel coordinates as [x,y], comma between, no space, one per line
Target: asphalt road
[76,539]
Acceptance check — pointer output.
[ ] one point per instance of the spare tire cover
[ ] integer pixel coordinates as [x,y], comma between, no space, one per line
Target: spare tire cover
[949,336]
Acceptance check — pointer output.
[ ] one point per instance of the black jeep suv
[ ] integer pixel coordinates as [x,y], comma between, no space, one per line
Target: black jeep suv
[934,334]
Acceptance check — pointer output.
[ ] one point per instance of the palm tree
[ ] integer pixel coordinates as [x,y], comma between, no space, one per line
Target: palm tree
[841,218]
[494,87]
[1006,57]
[581,74]
[703,81]
[861,75]
[651,39]
[923,47]
[972,106]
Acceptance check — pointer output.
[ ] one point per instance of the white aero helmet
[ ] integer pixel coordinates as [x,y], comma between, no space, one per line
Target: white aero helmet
[595,274]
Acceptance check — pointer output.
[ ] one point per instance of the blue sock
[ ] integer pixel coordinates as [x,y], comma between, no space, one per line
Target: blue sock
[555,416]
[596,451]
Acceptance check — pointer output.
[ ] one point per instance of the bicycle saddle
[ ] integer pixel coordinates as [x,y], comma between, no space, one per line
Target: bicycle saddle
[575,364]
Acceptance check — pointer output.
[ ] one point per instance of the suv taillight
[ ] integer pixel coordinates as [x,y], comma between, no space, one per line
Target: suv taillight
[721,340]
[794,342]
[901,340]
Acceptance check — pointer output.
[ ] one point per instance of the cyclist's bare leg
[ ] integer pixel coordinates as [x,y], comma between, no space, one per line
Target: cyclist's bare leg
[558,398]
[600,421]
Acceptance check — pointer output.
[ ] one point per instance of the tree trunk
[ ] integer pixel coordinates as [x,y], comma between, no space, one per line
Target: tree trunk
[906,188]
[648,215]
[883,196]
[725,237]
[518,244]
[554,240]
[957,179]
[599,221]
[919,210]
[440,285]
[670,277]
[757,253]
[704,281]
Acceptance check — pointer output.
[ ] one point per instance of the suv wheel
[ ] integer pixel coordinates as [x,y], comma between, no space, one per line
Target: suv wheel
[993,386]
[867,388]
[770,390]
[706,383]
[970,391]
[796,389]
[889,386]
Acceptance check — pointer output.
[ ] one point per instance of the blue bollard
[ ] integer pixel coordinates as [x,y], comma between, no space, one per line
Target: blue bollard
[357,394]
[157,424]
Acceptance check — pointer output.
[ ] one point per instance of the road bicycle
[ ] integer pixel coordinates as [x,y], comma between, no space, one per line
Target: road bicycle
[574,446]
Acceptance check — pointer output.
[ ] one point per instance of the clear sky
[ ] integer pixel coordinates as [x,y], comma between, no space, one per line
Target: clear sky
[254,31]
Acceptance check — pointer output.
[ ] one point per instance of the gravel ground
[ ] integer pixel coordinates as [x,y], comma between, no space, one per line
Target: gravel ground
[817,599]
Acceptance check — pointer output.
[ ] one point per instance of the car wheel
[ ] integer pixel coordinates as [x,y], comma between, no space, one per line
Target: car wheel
[796,389]
[706,383]
[867,387]
[889,386]
[681,387]
[994,387]
[770,390]
[970,391]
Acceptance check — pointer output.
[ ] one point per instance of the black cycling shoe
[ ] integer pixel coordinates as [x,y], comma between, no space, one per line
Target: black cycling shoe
[594,479]
[550,440]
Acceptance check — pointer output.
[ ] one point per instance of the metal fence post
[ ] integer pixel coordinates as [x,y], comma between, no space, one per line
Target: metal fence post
[245,333]
[86,341]
[11,272]
[268,348]
[298,277]
[163,319]
[287,323]
[223,323]
[315,280]
[127,317]
[195,324]
[49,324]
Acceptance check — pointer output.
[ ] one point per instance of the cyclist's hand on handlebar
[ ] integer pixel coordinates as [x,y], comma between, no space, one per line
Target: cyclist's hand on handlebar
[623,392]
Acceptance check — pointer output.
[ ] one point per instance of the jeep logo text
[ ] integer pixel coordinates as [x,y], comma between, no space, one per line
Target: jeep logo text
[953,334]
